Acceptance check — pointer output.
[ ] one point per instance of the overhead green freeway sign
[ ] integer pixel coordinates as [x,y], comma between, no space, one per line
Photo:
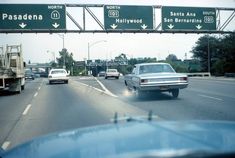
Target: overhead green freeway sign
[32,16]
[188,18]
[121,17]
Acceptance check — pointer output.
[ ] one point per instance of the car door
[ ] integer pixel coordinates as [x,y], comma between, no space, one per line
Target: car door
[129,78]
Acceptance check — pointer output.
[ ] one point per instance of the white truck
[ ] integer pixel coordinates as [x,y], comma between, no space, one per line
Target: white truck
[12,73]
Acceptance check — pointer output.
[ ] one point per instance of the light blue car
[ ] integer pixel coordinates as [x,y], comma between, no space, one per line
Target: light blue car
[135,139]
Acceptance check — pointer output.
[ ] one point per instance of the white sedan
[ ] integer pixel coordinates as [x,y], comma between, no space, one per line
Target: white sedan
[158,77]
[112,73]
[58,75]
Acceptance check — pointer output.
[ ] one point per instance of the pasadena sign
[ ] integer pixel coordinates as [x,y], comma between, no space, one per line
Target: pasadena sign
[6,16]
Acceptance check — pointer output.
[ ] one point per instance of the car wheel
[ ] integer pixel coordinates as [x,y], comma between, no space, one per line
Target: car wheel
[117,77]
[66,82]
[106,77]
[50,82]
[175,93]
[22,87]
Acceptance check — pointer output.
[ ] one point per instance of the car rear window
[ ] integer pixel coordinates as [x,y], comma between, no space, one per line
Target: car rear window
[58,72]
[155,69]
[112,70]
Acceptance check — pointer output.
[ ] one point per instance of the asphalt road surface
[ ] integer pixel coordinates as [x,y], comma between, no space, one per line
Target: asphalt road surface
[86,101]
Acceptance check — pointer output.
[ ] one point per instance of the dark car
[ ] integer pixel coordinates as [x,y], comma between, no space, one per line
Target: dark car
[29,74]
[101,74]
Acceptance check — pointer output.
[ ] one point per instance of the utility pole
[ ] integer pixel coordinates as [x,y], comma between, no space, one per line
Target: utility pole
[208,53]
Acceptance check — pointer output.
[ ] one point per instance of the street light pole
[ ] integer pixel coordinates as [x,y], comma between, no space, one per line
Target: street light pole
[88,49]
[62,37]
[88,53]
[208,51]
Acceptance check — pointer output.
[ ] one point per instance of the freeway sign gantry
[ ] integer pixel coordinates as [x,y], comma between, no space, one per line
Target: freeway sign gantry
[32,16]
[121,17]
[188,18]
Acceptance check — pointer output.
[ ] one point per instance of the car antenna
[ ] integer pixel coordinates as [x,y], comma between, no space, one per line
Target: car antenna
[115,120]
[150,115]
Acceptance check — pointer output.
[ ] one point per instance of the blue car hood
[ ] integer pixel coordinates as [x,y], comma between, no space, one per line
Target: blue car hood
[131,138]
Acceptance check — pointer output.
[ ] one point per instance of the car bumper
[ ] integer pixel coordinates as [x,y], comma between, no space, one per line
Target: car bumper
[58,79]
[111,75]
[163,87]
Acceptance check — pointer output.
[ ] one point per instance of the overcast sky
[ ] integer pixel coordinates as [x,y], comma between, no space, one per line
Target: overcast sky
[37,46]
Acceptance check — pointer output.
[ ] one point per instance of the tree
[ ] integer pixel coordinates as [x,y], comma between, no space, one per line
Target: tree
[171,57]
[66,59]
[221,49]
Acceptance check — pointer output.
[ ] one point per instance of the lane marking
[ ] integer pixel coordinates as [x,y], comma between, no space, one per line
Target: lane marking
[206,96]
[35,94]
[105,89]
[39,88]
[5,145]
[26,109]
[110,94]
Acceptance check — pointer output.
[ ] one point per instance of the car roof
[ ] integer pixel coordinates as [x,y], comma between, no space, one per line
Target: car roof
[151,64]
[111,69]
[57,69]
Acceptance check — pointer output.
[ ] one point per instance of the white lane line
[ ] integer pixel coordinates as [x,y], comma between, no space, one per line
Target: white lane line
[26,109]
[5,145]
[39,88]
[206,96]
[35,94]
[110,94]
[105,89]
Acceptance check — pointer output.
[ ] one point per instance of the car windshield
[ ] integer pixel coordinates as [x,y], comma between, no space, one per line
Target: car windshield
[93,65]
[155,69]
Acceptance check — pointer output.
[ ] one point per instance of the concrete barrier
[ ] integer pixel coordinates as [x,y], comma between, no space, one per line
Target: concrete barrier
[199,74]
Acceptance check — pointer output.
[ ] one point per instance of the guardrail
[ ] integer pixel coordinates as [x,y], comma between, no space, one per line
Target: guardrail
[199,74]
[229,74]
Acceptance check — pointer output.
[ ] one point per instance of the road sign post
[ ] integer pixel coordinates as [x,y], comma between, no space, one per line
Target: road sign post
[128,17]
[188,18]
[32,17]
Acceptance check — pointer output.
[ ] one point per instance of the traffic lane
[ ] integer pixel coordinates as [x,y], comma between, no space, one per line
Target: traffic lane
[194,102]
[223,88]
[12,106]
[59,107]
[116,86]
[88,80]
[220,89]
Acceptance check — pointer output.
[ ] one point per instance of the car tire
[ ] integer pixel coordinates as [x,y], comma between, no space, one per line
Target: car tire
[66,82]
[50,82]
[106,77]
[22,87]
[175,93]
[117,78]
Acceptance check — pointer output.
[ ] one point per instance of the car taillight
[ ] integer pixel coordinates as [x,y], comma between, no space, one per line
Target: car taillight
[143,81]
[183,78]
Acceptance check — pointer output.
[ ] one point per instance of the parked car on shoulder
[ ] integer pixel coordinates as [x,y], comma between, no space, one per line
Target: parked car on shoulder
[57,75]
[112,73]
[159,77]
